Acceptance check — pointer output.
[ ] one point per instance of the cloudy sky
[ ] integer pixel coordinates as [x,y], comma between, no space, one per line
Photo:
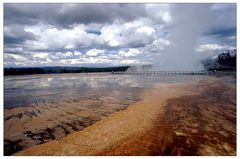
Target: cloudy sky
[116,34]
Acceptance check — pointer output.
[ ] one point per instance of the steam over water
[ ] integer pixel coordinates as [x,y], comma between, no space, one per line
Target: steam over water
[189,22]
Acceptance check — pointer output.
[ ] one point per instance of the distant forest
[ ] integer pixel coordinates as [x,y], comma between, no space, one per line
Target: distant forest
[52,70]
[225,61]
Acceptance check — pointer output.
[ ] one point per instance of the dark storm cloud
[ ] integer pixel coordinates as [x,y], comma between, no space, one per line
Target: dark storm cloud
[65,15]
[28,14]
[17,35]
[224,16]
[138,43]
[223,32]
[224,35]
[98,13]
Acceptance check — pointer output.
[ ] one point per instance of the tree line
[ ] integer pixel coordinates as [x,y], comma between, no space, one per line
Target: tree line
[52,70]
[225,61]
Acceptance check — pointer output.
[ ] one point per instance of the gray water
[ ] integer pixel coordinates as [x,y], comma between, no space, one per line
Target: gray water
[32,90]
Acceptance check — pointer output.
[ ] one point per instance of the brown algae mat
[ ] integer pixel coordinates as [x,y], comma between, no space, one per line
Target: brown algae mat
[197,118]
[28,126]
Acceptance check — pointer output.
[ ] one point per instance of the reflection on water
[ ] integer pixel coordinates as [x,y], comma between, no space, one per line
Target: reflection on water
[36,89]
[61,104]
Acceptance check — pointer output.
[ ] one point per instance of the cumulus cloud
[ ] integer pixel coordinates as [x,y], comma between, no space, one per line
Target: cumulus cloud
[95,52]
[16,50]
[130,53]
[212,50]
[52,38]
[208,47]
[131,34]
[66,15]
[115,34]
[159,12]
[14,35]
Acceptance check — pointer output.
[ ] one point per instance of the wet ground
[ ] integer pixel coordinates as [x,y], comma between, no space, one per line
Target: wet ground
[32,125]
[201,122]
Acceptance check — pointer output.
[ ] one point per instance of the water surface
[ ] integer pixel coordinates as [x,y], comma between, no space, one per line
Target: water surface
[36,89]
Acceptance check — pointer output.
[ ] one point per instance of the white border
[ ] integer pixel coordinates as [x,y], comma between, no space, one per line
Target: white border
[111,1]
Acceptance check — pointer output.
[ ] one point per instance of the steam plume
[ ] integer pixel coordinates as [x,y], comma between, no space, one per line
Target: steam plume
[189,22]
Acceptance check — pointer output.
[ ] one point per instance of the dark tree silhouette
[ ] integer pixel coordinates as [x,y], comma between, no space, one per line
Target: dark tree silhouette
[52,70]
[225,61]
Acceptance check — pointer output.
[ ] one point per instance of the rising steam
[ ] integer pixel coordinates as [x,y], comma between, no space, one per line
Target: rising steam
[189,22]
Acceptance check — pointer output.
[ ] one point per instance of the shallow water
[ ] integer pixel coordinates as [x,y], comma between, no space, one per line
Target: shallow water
[193,118]
[36,89]
[49,107]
